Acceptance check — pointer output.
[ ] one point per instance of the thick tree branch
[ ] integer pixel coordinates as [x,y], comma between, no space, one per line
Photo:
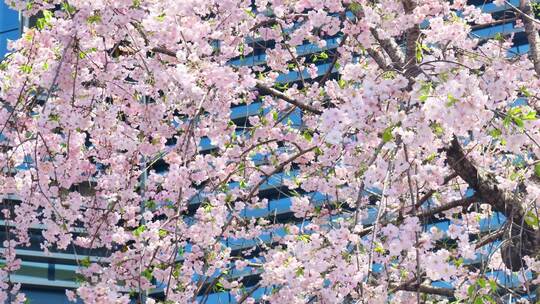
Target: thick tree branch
[379,59]
[391,48]
[522,239]
[413,34]
[527,15]
[484,185]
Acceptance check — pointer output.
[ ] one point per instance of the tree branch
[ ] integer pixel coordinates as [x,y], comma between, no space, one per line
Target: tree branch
[261,87]
[531,32]
[334,60]
[464,202]
[278,169]
[426,196]
[446,292]
[413,34]
[163,51]
[391,48]
[489,238]
[527,240]
[273,92]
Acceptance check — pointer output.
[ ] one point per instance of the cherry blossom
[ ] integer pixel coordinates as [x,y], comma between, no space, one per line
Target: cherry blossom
[329,151]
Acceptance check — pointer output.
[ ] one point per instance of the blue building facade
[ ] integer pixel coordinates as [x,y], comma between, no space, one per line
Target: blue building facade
[44,278]
[10,26]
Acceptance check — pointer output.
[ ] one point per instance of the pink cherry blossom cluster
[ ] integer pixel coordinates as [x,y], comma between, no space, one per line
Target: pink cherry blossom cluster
[409,124]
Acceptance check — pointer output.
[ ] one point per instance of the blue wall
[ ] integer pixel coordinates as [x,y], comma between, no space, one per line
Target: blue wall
[9,26]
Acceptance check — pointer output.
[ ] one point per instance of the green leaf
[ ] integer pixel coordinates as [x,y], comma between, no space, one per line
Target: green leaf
[44,21]
[482,282]
[379,248]
[243,184]
[282,86]
[531,219]
[537,170]
[514,111]
[531,115]
[54,117]
[307,136]
[506,121]
[68,8]
[519,122]
[323,55]
[27,69]
[355,7]
[287,230]
[250,13]
[387,134]
[342,83]
[47,15]
[163,232]
[85,262]
[495,133]
[275,115]
[524,91]
[218,287]
[425,91]
[79,278]
[419,54]
[304,238]
[389,75]
[515,176]
[40,23]
[207,207]
[437,129]
[431,157]
[451,100]
[471,289]
[147,273]
[93,18]
[161,17]
[151,204]
[137,232]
